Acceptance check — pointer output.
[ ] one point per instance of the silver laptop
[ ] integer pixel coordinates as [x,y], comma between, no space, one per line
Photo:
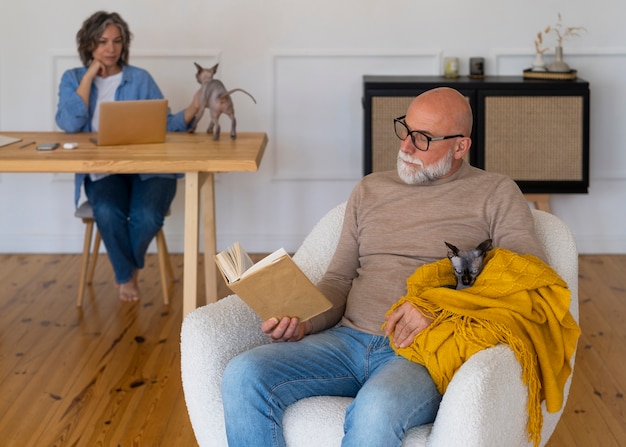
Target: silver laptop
[132,122]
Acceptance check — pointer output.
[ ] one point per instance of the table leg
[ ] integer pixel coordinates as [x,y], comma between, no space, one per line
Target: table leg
[190,257]
[207,195]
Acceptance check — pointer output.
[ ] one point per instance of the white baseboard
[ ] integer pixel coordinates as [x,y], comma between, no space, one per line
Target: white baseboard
[253,243]
[50,244]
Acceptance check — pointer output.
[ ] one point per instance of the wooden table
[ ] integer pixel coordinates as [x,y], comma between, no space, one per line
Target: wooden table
[196,155]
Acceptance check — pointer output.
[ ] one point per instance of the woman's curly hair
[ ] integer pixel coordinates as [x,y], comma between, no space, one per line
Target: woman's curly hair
[93,28]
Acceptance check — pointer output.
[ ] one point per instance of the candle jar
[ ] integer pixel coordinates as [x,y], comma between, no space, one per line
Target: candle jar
[451,67]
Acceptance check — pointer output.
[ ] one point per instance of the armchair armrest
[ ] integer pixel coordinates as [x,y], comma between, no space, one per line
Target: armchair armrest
[484,405]
[210,336]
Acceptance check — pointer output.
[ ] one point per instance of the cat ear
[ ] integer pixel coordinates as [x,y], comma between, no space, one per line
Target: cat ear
[214,68]
[453,250]
[485,246]
[198,67]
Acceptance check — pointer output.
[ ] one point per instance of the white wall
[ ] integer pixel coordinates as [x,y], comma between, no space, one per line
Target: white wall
[303,62]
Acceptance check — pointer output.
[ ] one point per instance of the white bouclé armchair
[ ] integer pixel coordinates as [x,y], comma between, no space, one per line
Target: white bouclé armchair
[484,405]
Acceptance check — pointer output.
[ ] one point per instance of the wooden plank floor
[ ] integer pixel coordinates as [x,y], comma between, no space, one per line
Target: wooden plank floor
[595,414]
[109,374]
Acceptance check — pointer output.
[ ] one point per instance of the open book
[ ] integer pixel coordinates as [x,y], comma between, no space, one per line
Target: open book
[273,287]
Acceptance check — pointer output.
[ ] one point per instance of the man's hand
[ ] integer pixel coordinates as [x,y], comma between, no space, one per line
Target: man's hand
[405,322]
[285,329]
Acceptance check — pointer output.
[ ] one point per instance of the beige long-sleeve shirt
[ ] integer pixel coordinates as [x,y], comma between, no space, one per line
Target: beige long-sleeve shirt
[391,228]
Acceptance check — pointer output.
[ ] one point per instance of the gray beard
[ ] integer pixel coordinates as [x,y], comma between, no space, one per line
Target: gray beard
[421,175]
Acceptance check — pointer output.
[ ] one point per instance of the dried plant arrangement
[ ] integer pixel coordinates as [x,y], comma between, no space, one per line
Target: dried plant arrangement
[557,69]
[562,33]
[539,41]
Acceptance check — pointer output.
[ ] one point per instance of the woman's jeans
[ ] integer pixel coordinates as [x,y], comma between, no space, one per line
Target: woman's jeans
[129,212]
[392,393]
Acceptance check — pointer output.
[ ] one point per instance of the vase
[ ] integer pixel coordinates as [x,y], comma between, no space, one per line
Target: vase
[539,64]
[558,65]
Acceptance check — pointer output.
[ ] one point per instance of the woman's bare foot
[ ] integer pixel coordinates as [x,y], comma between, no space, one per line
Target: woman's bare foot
[129,291]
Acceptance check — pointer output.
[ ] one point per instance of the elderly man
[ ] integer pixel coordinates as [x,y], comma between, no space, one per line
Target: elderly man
[395,222]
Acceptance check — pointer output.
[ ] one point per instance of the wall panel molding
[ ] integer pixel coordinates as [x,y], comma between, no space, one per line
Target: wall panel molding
[319,137]
[508,61]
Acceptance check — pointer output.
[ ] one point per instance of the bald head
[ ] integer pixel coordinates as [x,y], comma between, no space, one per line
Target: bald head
[448,109]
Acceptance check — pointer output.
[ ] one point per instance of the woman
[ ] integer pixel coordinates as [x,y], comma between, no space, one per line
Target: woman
[129,209]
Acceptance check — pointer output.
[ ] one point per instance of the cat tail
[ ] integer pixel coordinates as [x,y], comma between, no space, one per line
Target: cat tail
[228,93]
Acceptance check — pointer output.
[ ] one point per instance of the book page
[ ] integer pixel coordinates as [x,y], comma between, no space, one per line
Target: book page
[233,262]
[242,259]
[269,259]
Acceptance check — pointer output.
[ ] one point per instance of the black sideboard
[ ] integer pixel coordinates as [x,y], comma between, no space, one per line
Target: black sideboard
[535,131]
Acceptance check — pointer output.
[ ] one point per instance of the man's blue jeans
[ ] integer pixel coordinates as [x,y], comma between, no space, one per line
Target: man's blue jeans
[392,393]
[129,212]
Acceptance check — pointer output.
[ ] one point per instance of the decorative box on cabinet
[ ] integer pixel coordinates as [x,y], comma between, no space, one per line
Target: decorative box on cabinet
[535,131]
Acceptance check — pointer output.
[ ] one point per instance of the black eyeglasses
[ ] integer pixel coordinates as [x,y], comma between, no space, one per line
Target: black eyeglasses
[420,140]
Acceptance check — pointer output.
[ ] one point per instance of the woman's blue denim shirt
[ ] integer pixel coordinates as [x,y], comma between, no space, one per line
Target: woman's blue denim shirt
[73,116]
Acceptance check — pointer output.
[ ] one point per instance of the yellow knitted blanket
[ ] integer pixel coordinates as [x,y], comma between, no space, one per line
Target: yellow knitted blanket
[517,300]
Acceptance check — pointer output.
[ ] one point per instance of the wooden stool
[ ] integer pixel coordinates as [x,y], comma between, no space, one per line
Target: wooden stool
[88,263]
